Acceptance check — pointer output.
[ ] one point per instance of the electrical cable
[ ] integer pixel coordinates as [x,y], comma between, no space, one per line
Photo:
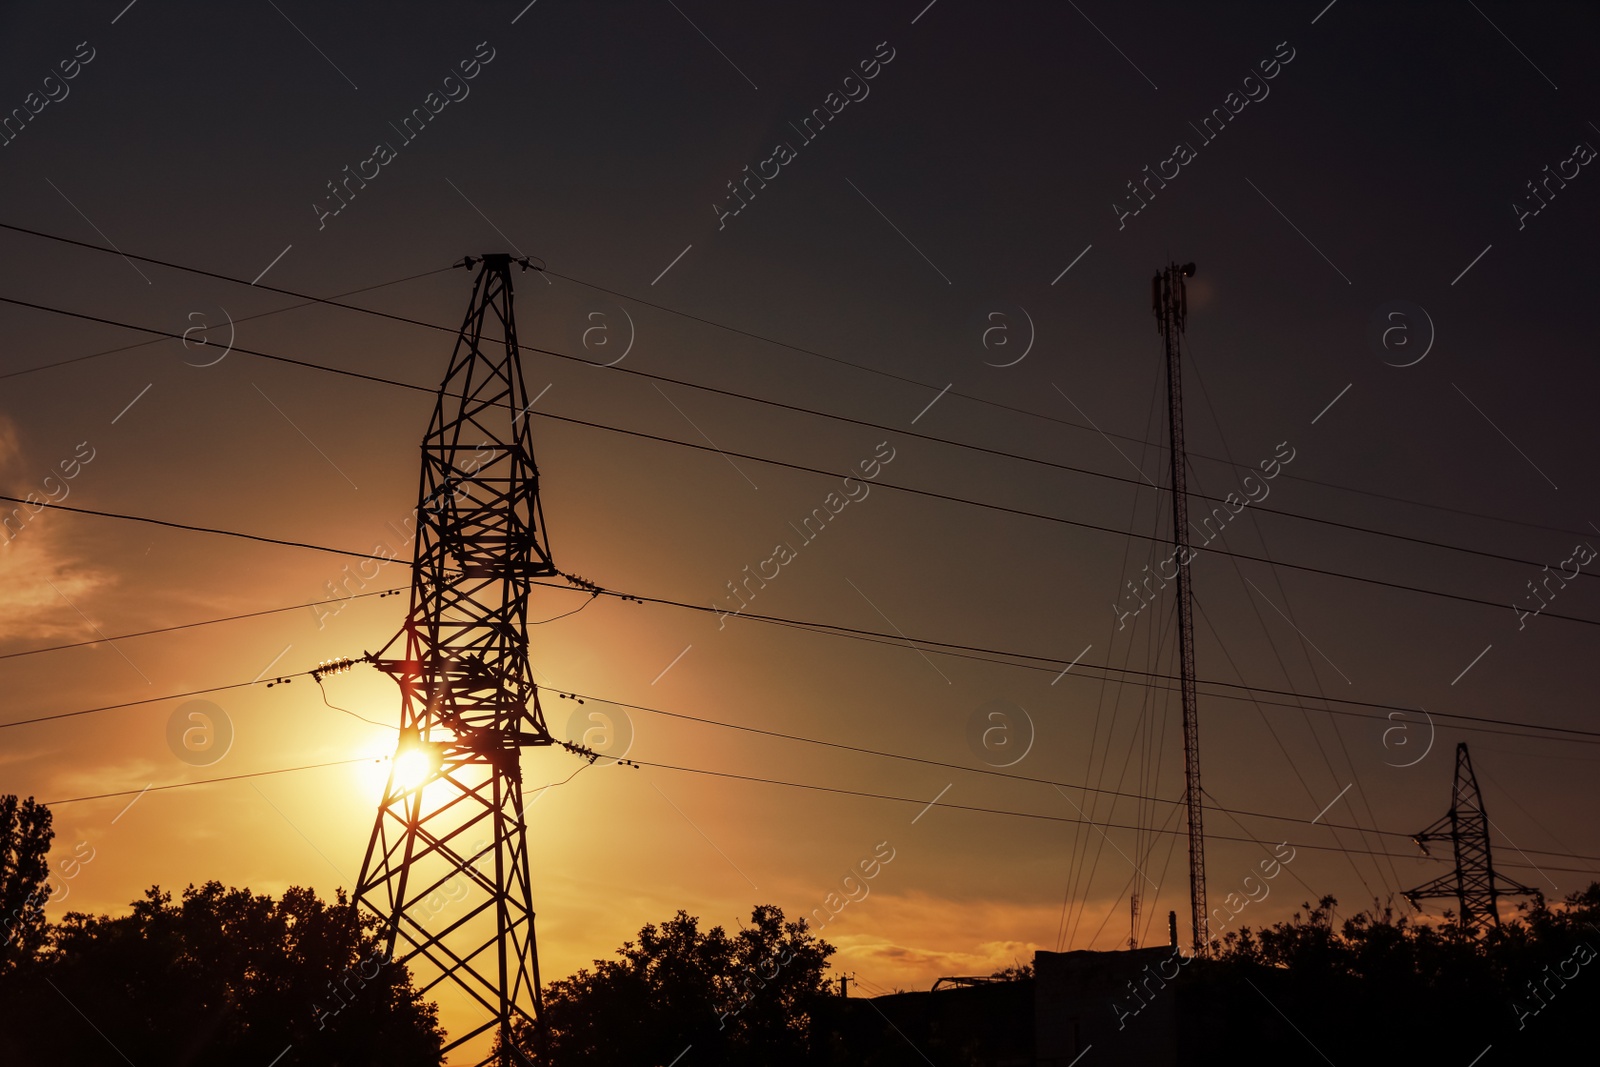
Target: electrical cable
[768,781]
[725,453]
[1016,814]
[1070,921]
[568,614]
[946,497]
[758,459]
[204,622]
[371,722]
[1392,885]
[260,774]
[996,773]
[210,781]
[199,529]
[245,318]
[148,700]
[739,777]
[1033,414]
[1042,663]
[309,300]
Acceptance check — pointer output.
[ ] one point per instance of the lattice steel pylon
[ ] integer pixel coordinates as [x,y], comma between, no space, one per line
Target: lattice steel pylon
[1169,299]
[447,868]
[1473,883]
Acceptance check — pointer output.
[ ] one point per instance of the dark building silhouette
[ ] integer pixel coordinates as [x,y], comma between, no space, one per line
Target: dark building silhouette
[990,1024]
[1124,1005]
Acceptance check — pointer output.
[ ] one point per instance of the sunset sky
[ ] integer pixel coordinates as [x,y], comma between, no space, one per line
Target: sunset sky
[956,256]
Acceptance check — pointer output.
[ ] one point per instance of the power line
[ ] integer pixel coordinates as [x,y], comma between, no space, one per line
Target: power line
[329,301]
[245,318]
[245,351]
[946,497]
[746,729]
[1001,657]
[1393,884]
[1049,665]
[213,781]
[192,527]
[902,432]
[309,299]
[198,529]
[859,749]
[823,627]
[175,696]
[1033,414]
[1045,663]
[323,690]
[1082,874]
[995,773]
[1053,464]
[1022,814]
[204,622]
[791,785]
[147,700]
[724,774]
[1025,513]
[890,486]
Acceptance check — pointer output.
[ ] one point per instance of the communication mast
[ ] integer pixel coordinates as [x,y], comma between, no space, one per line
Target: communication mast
[452,812]
[1171,306]
[1474,884]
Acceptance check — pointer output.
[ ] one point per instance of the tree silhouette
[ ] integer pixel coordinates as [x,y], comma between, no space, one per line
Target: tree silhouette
[1381,989]
[220,977]
[749,998]
[25,835]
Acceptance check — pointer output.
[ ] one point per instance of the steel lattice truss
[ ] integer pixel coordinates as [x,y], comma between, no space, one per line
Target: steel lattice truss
[447,866]
[1169,300]
[1474,884]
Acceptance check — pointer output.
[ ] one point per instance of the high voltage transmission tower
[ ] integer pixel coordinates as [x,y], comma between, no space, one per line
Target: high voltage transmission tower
[1171,305]
[452,812]
[1474,884]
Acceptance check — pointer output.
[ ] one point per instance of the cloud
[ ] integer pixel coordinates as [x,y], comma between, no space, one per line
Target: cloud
[43,584]
[908,941]
[917,966]
[41,576]
[17,756]
[10,446]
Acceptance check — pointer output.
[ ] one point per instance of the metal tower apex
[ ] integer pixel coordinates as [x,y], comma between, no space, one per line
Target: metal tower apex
[498,261]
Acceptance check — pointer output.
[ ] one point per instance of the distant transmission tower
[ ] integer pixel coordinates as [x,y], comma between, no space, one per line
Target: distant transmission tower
[1171,305]
[452,812]
[1474,884]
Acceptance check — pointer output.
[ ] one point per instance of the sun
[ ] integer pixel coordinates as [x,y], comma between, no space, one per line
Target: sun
[412,768]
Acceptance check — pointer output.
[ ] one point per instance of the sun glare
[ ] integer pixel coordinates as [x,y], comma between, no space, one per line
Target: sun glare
[412,768]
